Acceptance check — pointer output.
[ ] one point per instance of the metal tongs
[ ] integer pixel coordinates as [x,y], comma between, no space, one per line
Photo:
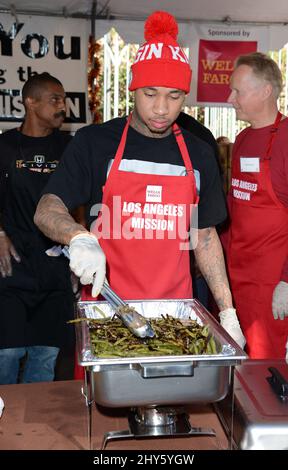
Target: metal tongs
[136,323]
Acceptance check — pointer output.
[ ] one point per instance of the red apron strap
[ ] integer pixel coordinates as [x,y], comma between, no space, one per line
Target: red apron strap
[185,155]
[273,135]
[182,146]
[120,149]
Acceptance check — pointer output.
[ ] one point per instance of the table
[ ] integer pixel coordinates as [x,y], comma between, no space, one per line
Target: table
[53,416]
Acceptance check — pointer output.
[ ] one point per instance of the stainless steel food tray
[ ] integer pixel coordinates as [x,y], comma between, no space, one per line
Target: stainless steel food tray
[260,418]
[159,380]
[229,351]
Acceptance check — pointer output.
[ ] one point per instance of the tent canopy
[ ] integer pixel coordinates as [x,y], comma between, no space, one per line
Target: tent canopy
[184,10]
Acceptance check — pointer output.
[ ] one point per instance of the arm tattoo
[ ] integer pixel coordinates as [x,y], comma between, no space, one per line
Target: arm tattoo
[53,219]
[210,259]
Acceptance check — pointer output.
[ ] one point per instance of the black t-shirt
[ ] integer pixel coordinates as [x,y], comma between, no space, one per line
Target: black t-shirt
[82,171]
[191,124]
[20,184]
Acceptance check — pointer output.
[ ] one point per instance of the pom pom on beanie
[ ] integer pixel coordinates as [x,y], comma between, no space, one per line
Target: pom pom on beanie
[160,61]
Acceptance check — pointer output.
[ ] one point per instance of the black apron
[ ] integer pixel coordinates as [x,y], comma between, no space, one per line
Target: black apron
[37,300]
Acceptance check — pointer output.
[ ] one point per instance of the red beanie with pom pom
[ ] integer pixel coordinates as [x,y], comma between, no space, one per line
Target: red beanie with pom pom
[160,62]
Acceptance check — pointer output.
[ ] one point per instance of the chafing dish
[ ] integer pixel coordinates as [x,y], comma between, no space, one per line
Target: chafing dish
[155,381]
[260,418]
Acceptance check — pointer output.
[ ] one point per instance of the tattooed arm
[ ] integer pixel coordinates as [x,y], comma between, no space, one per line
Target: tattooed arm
[210,259]
[53,219]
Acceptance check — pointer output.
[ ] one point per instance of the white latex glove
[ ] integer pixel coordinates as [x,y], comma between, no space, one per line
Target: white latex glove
[230,323]
[1,406]
[88,261]
[75,285]
[280,301]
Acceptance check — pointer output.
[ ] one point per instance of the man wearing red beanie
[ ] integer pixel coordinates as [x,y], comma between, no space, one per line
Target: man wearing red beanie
[148,175]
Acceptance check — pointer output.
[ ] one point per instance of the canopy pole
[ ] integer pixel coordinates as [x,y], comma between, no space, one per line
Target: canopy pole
[93,18]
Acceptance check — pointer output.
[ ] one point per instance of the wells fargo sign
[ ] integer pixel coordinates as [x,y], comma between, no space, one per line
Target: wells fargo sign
[215,65]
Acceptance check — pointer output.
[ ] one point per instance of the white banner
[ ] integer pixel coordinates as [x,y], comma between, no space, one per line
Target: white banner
[37,44]
[212,32]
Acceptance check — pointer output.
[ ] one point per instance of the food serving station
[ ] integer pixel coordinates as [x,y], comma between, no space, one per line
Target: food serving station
[155,389]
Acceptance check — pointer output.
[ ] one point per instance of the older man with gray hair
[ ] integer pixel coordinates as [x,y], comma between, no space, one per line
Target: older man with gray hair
[257,252]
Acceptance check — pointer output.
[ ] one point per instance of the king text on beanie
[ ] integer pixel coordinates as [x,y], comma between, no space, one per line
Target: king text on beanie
[160,62]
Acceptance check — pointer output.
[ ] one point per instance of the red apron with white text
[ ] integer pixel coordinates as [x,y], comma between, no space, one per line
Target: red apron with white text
[147,263]
[257,249]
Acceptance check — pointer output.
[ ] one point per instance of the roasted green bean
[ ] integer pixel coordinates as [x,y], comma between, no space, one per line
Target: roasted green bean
[172,337]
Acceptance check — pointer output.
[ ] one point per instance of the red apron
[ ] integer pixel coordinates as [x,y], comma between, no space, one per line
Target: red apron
[149,218]
[257,249]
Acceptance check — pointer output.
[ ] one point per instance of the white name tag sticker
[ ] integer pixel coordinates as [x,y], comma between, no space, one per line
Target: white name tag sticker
[153,193]
[249,164]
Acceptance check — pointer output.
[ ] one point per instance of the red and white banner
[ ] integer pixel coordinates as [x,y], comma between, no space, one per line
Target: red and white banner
[213,51]
[215,66]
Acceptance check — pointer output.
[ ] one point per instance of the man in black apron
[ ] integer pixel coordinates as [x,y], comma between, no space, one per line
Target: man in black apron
[36,298]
